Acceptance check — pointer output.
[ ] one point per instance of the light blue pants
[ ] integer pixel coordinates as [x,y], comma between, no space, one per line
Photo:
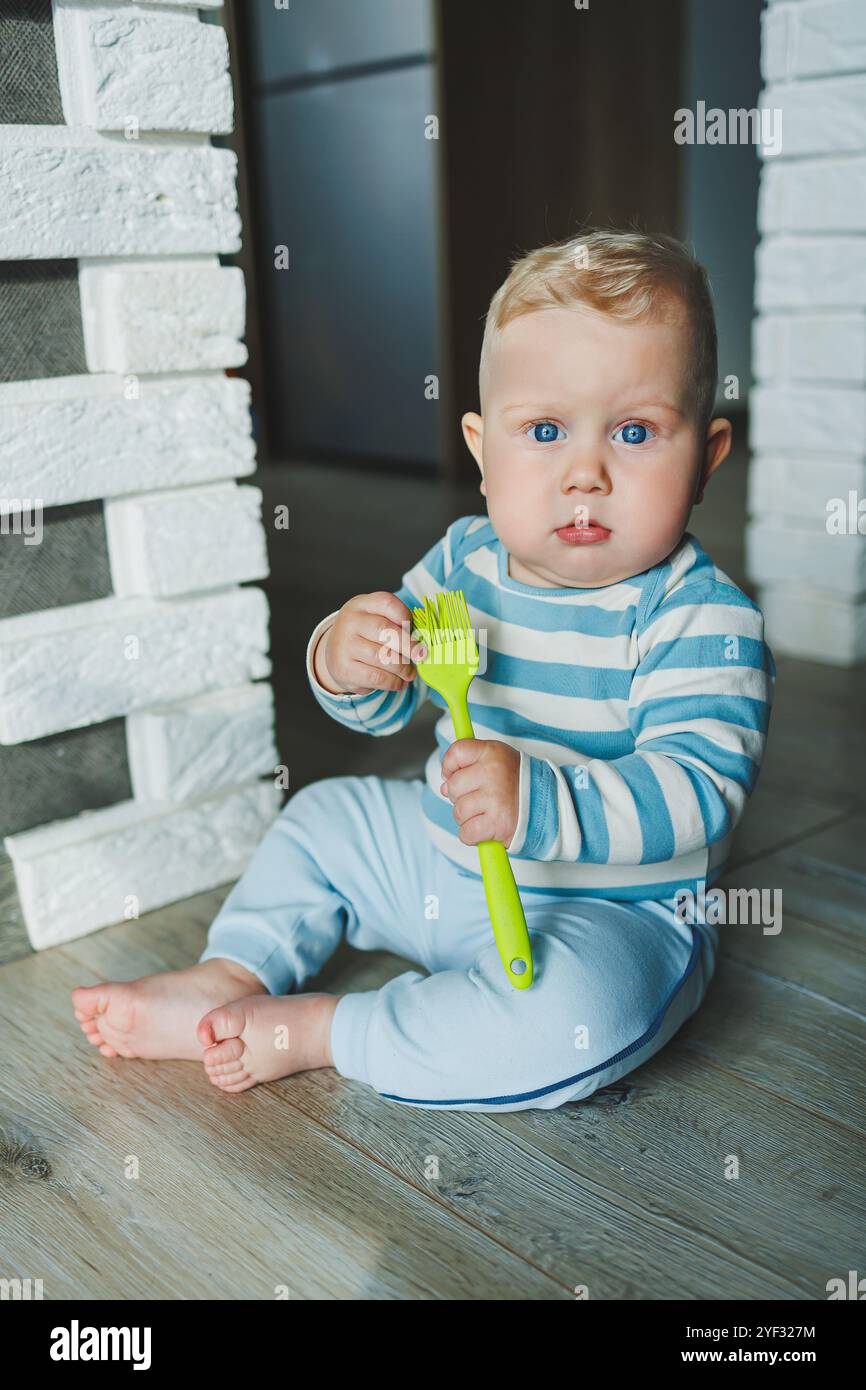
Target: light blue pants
[613,980]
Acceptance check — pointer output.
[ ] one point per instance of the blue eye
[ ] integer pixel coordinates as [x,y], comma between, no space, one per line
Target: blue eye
[633,433]
[545,432]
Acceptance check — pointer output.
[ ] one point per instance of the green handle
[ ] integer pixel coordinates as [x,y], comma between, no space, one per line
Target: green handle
[503,900]
[506,913]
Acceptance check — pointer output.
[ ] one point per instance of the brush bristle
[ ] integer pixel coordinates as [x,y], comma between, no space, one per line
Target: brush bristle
[444,618]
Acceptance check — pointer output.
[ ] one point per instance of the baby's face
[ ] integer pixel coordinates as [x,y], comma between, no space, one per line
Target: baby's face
[588,447]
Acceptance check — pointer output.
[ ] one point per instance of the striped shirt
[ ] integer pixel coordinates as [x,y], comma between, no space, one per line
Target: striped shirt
[639,709]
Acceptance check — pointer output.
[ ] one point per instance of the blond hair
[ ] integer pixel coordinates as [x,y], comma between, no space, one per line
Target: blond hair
[631,275]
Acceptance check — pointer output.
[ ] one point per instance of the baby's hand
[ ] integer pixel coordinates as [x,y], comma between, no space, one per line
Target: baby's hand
[368,647]
[482,779]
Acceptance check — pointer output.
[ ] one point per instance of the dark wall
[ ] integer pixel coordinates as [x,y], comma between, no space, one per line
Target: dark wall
[337,93]
[723,48]
[29,88]
[554,117]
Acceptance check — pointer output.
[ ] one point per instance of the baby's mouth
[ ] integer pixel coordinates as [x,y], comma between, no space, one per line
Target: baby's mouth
[587,532]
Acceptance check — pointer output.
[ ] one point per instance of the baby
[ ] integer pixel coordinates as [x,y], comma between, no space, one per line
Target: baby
[620,718]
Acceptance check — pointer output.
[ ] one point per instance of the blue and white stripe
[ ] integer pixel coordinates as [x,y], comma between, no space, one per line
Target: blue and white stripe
[639,709]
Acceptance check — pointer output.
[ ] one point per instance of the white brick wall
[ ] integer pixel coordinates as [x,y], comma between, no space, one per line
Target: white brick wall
[194,747]
[71,192]
[822,116]
[810,272]
[162,316]
[796,487]
[166,543]
[72,439]
[814,624]
[834,564]
[828,347]
[132,188]
[808,405]
[813,38]
[125,67]
[829,418]
[83,663]
[812,195]
[77,875]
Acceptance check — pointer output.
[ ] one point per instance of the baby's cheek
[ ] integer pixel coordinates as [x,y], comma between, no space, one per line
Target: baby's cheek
[660,510]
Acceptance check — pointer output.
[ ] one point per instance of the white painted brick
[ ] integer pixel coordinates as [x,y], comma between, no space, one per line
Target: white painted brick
[813,38]
[124,67]
[809,557]
[68,667]
[823,116]
[162,316]
[818,627]
[825,418]
[101,867]
[70,439]
[192,748]
[810,272]
[810,347]
[798,487]
[775,31]
[185,539]
[813,195]
[66,192]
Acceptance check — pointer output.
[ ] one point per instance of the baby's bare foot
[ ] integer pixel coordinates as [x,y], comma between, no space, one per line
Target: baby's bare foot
[264,1038]
[155,1017]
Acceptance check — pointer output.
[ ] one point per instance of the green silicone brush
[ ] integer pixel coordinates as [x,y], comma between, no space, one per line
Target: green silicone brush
[444,626]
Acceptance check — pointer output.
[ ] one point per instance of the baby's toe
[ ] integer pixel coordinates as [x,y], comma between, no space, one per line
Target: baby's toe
[230,1050]
[229,1084]
[108,1051]
[228,1021]
[237,1081]
[88,1001]
[223,1068]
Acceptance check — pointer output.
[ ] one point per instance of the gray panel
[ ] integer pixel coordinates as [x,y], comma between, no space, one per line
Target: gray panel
[14,941]
[55,778]
[29,88]
[349,185]
[313,36]
[40,320]
[721,181]
[69,565]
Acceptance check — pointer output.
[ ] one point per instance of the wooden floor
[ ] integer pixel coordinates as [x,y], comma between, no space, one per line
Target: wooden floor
[316,1184]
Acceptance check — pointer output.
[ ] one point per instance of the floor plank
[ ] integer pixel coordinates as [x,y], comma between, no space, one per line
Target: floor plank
[560,1208]
[800,1048]
[235,1195]
[775,817]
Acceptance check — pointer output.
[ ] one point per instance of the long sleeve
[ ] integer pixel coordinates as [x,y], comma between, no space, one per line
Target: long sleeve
[699,708]
[377,712]
[383,712]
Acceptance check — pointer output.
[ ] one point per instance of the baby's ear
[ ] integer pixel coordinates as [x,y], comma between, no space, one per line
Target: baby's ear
[473,432]
[717,446]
